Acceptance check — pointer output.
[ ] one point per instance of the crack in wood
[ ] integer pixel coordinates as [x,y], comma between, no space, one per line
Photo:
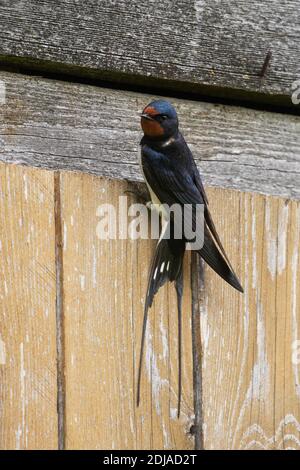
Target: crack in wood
[61,399]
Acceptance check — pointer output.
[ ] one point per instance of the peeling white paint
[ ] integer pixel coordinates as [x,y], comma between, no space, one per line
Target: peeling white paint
[167,443]
[259,385]
[164,339]
[283,218]
[261,369]
[153,370]
[271,239]
[219,425]
[2,352]
[132,429]
[289,437]
[253,235]
[18,434]
[295,282]
[72,359]
[82,282]
[25,186]
[244,339]
[263,441]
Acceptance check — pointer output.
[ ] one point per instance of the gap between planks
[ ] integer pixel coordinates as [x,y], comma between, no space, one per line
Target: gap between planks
[129,83]
[197,287]
[60,343]
[195,283]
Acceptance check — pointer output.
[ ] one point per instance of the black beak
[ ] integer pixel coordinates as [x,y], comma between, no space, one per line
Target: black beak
[146,116]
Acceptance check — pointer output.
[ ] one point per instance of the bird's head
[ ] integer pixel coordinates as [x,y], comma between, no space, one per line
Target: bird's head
[159,120]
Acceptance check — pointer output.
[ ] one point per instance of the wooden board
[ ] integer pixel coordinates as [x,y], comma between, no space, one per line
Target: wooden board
[250,370]
[28,416]
[104,291]
[200,46]
[58,125]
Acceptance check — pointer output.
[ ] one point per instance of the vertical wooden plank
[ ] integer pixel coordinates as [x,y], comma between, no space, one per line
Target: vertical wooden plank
[251,383]
[197,285]
[28,417]
[104,292]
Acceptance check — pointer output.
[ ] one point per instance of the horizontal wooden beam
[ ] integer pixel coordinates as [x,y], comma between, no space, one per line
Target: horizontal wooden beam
[207,47]
[57,125]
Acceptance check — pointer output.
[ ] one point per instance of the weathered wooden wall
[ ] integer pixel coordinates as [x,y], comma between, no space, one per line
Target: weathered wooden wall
[250,384]
[201,46]
[104,286]
[58,125]
[100,316]
[27,310]
[71,305]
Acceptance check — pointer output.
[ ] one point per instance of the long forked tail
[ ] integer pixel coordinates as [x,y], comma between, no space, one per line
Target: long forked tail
[214,254]
[166,266]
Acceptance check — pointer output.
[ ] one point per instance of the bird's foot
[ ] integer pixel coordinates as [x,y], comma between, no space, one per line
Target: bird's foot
[140,191]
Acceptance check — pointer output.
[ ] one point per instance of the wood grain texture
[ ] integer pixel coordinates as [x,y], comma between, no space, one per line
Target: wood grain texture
[28,416]
[191,46]
[250,372]
[250,342]
[57,125]
[104,292]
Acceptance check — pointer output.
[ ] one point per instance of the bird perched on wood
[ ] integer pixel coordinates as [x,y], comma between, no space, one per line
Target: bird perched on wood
[172,177]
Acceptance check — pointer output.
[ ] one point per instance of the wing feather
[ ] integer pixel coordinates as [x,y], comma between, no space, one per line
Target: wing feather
[178,183]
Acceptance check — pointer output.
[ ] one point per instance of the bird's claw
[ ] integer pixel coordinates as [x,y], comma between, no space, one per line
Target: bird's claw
[140,191]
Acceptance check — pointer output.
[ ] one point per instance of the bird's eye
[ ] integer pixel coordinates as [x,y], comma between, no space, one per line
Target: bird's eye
[163,117]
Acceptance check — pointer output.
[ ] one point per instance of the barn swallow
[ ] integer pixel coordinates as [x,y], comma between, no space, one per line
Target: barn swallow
[172,177]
